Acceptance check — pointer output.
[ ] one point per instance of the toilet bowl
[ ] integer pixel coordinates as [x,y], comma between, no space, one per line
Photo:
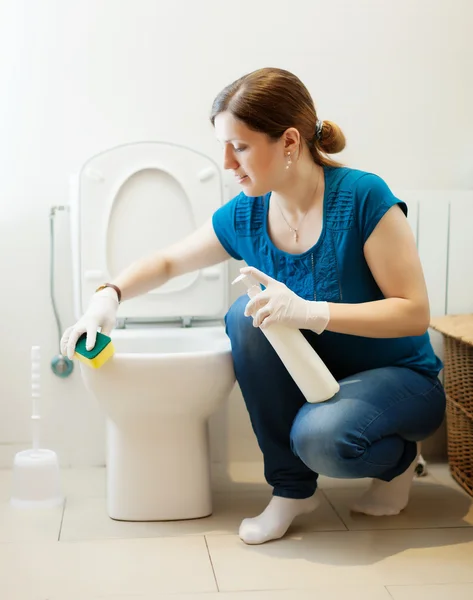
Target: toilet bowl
[158,392]
[172,366]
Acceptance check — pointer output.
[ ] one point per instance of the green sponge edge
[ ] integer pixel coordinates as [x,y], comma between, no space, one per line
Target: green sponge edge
[102,342]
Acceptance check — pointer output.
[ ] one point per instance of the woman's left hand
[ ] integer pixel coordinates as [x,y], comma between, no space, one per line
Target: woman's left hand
[278,304]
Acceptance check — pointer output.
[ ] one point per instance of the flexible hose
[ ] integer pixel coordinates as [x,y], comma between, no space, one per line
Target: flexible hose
[52,214]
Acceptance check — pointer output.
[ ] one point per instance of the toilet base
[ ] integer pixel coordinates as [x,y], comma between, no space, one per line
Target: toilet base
[158,470]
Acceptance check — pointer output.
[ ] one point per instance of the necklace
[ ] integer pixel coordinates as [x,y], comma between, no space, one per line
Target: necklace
[295,230]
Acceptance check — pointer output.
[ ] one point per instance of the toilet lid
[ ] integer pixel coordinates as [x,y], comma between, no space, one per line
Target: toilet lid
[134,200]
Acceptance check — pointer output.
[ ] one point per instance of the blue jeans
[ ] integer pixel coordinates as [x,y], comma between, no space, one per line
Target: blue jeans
[368,429]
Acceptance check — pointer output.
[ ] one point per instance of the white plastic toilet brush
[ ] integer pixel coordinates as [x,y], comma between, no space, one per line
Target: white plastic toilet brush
[36,475]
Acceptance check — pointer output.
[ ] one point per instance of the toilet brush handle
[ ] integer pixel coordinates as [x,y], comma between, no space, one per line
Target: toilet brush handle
[35,429]
[35,394]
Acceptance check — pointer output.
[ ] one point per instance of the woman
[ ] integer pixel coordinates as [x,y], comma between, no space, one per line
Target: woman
[335,254]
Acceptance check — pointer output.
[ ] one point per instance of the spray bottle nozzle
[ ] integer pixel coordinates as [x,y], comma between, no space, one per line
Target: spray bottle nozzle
[252,285]
[243,278]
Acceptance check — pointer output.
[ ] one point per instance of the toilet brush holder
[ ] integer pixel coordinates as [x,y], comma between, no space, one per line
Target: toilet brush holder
[36,480]
[36,477]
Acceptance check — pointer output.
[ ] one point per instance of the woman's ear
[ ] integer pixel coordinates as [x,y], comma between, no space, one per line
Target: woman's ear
[292,140]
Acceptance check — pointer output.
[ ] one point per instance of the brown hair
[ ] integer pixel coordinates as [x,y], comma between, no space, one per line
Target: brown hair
[272,100]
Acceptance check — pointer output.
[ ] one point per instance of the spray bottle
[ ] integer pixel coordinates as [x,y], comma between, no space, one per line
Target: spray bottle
[302,362]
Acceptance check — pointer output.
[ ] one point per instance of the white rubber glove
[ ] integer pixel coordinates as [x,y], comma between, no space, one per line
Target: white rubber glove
[101,312]
[278,304]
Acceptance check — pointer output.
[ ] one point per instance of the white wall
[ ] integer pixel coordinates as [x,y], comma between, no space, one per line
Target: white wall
[79,77]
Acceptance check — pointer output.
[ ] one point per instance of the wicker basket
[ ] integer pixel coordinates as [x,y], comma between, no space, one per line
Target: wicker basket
[458,380]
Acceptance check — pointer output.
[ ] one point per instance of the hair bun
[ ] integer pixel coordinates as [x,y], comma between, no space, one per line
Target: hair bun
[331,139]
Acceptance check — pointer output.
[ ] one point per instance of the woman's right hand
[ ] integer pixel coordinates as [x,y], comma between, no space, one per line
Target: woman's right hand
[101,312]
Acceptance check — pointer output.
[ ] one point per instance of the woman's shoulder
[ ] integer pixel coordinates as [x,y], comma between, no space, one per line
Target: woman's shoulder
[357,197]
[349,179]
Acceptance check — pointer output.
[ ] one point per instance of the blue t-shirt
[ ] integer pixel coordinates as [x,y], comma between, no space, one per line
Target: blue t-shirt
[334,269]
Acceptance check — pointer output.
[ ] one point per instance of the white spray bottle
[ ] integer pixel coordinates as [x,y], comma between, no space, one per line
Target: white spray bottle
[302,362]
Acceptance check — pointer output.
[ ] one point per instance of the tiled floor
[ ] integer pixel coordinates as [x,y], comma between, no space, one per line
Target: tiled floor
[78,553]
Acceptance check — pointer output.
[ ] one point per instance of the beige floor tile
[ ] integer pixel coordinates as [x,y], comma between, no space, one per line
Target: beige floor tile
[84,482]
[441,473]
[118,567]
[352,557]
[87,519]
[431,505]
[29,525]
[454,591]
[322,592]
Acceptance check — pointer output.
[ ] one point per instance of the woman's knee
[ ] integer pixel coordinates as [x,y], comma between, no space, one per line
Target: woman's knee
[323,442]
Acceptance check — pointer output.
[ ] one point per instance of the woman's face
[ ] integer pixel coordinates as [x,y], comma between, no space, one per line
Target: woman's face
[257,162]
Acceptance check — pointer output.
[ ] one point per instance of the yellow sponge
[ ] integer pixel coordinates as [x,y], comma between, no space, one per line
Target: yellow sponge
[100,353]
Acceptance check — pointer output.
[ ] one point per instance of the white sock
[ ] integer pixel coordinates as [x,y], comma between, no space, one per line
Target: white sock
[275,520]
[388,497]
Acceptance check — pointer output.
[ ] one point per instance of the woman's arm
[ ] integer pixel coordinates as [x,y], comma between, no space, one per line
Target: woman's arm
[392,257]
[199,250]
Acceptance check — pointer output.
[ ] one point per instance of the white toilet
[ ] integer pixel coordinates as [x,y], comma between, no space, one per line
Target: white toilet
[172,367]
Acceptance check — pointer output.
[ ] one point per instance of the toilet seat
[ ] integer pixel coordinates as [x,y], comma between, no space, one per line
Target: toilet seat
[132,200]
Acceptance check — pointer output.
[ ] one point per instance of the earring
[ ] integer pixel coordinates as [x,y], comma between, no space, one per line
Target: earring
[289,161]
